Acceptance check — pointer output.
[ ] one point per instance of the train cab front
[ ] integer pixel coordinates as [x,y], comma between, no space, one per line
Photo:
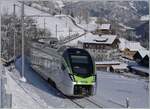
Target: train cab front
[82,72]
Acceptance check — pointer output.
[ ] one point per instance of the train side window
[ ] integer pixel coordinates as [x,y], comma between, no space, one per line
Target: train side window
[62,67]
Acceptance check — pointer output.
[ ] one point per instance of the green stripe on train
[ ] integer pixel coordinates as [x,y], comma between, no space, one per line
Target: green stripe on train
[85,81]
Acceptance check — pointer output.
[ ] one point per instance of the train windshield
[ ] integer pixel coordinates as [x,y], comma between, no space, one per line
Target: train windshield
[81,65]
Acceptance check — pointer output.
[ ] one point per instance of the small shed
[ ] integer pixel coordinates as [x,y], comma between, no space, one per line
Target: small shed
[105,65]
[142,57]
[137,57]
[145,61]
[119,68]
[104,29]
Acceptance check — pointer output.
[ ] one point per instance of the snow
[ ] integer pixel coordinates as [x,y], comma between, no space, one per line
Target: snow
[103,39]
[120,66]
[60,3]
[35,5]
[91,26]
[20,99]
[112,91]
[132,5]
[143,53]
[107,62]
[23,79]
[125,27]
[140,68]
[64,23]
[145,18]
[105,26]
[7,6]
[39,89]
[132,45]
[90,38]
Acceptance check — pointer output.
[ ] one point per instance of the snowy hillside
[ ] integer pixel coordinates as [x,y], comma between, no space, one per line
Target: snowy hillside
[59,23]
[126,12]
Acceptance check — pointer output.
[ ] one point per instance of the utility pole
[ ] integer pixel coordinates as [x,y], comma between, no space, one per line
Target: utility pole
[0,50]
[14,9]
[56,31]
[22,30]
[14,14]
[69,32]
[44,28]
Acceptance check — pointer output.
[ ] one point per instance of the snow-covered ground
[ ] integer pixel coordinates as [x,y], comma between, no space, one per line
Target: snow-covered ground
[60,23]
[35,93]
[112,90]
[145,18]
[20,97]
[116,88]
[91,26]
[125,27]
[132,5]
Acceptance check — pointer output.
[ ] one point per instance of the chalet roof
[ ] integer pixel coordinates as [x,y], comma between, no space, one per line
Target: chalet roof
[143,53]
[96,39]
[131,45]
[105,26]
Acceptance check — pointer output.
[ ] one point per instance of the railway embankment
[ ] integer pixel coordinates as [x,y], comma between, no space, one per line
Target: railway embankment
[5,95]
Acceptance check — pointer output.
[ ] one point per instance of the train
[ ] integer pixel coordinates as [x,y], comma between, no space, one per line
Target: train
[71,70]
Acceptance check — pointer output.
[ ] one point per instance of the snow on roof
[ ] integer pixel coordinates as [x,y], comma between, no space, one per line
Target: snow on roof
[120,66]
[107,62]
[143,53]
[131,45]
[103,39]
[105,26]
[145,18]
[60,4]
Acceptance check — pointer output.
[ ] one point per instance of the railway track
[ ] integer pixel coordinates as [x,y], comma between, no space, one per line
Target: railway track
[85,103]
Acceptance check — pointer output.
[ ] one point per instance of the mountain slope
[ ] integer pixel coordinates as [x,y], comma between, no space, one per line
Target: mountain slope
[126,12]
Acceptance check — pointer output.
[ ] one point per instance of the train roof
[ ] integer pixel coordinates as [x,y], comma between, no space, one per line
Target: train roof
[46,49]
